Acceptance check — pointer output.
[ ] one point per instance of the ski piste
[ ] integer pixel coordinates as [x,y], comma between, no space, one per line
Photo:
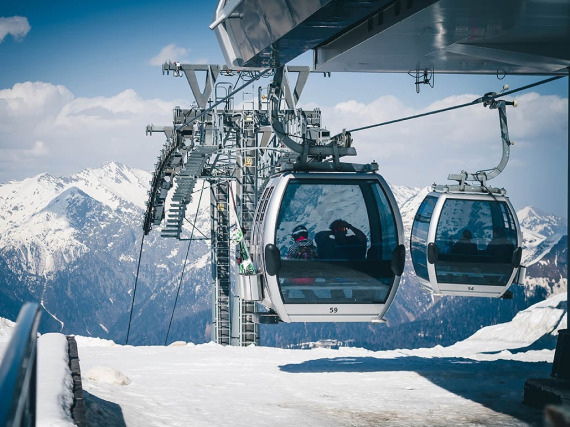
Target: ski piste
[244,261]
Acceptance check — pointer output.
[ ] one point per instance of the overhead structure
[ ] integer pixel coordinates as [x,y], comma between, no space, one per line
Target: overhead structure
[422,38]
[446,36]
[222,144]
[359,253]
[227,146]
[466,239]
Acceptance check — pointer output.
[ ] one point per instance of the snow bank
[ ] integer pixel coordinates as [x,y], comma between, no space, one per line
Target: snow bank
[55,385]
[6,327]
[542,320]
[478,381]
[528,325]
[93,342]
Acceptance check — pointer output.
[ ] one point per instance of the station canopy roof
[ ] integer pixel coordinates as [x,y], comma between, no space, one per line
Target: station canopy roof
[443,36]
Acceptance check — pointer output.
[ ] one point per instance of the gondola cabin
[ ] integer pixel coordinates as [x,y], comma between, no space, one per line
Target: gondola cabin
[466,244]
[329,246]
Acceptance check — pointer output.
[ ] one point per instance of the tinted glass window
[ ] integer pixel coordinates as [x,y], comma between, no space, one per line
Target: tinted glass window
[476,240]
[418,242]
[336,239]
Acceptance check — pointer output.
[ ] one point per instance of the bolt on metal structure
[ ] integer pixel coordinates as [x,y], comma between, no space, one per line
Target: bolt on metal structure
[227,146]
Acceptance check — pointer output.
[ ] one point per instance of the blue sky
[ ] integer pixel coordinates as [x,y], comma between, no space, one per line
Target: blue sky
[79,81]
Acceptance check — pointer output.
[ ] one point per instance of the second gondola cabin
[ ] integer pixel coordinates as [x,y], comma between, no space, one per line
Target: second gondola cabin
[329,246]
[466,244]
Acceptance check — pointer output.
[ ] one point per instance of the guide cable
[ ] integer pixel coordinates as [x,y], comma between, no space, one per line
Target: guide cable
[455,107]
[135,290]
[185,261]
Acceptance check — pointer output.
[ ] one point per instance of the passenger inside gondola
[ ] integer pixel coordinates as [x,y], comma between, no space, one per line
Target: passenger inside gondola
[304,247]
[484,254]
[465,246]
[337,244]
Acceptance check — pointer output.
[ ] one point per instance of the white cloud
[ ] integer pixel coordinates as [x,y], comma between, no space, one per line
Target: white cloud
[39,149]
[436,145]
[33,98]
[44,128]
[17,26]
[422,151]
[172,53]
[441,139]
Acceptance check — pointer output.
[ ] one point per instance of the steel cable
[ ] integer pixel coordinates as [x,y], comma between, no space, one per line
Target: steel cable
[475,102]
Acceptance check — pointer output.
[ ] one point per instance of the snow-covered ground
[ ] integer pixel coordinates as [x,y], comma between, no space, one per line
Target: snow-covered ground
[478,381]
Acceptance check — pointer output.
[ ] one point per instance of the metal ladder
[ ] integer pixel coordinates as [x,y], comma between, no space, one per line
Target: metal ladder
[247,201]
[220,233]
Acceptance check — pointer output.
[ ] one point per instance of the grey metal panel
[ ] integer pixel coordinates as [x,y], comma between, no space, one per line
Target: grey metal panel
[254,25]
[240,41]
[300,10]
[449,36]
[524,61]
[273,32]
[279,17]
[457,36]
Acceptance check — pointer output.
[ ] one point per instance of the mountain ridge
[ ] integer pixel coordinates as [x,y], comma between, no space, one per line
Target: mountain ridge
[73,242]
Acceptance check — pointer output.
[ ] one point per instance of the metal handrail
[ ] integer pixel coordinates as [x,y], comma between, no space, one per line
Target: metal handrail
[18,370]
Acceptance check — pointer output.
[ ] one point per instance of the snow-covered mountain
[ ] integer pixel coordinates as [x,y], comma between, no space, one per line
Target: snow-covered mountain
[73,243]
[49,221]
[540,233]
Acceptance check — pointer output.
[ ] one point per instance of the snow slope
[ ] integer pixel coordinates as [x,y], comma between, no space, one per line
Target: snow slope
[478,381]
[212,385]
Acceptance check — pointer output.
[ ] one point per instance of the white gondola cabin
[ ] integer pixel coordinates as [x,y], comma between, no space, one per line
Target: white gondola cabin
[329,246]
[466,244]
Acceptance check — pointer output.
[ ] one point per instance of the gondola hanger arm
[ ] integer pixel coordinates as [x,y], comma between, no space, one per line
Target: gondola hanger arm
[490,100]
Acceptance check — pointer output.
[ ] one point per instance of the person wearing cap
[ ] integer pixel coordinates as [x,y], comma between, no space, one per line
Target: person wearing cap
[336,244]
[303,248]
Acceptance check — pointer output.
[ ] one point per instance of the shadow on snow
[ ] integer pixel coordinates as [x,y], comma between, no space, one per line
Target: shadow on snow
[101,412]
[497,385]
